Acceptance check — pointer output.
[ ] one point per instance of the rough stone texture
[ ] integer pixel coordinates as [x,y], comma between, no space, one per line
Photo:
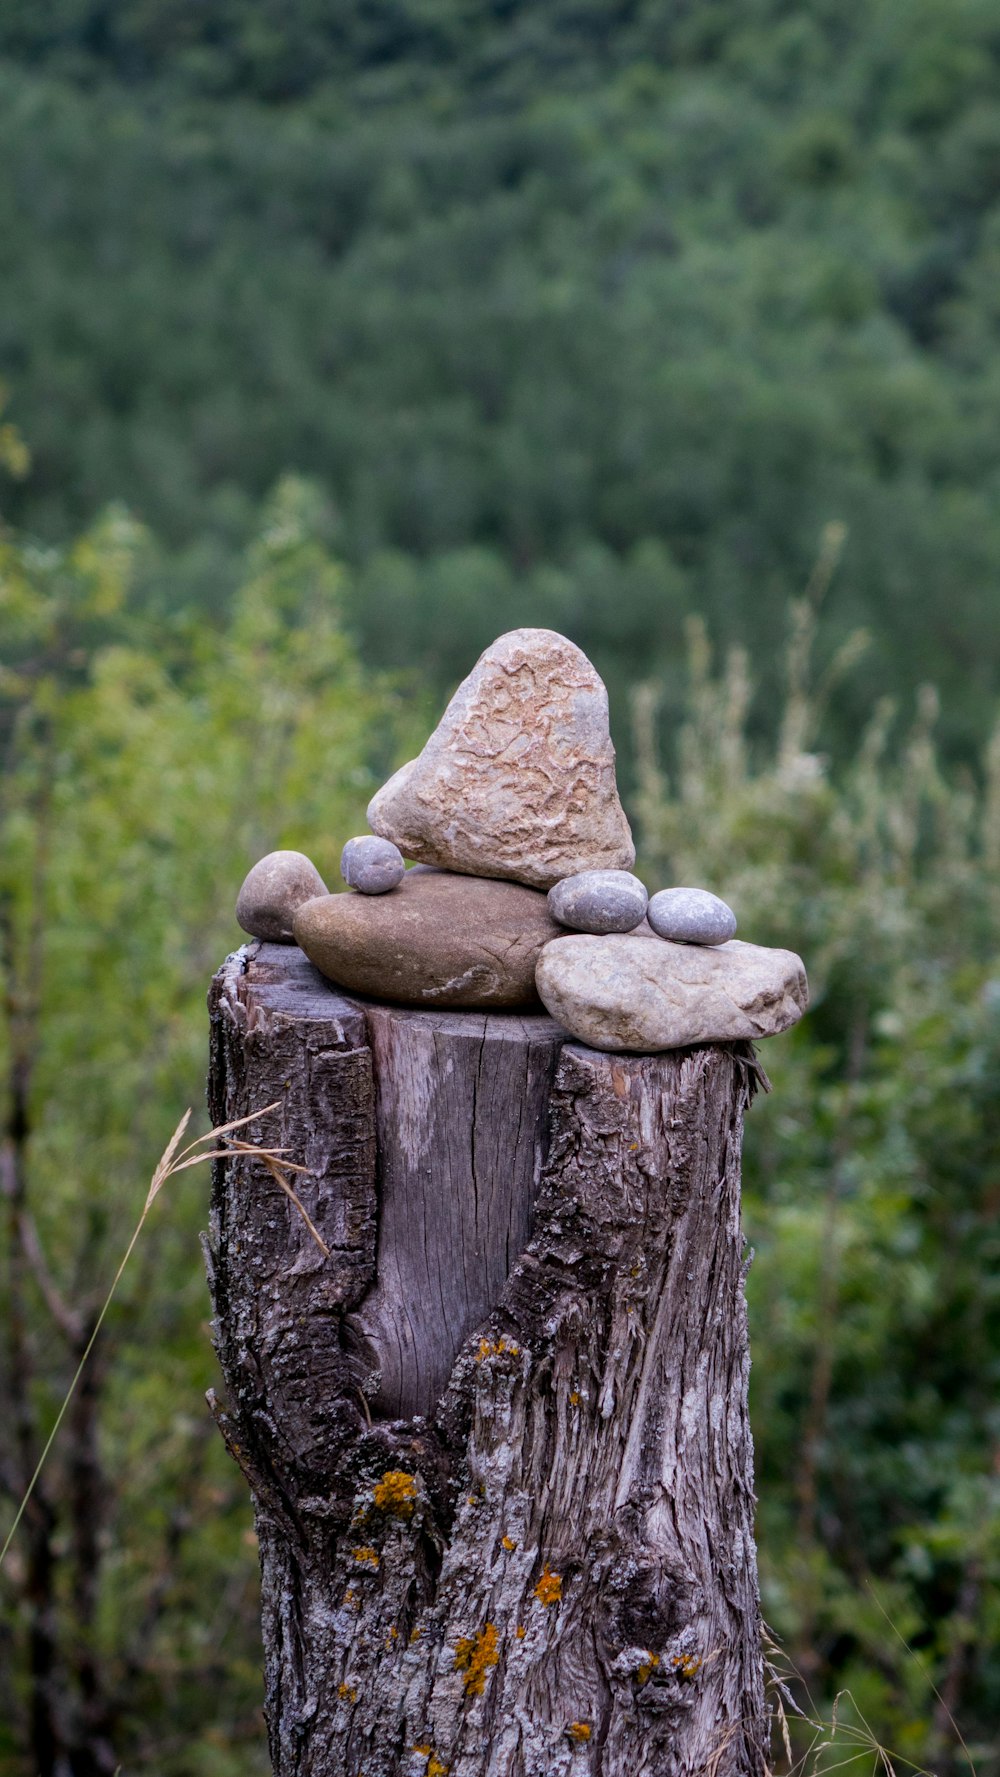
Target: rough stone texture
[271,892]
[691,916]
[437,940]
[565,1542]
[634,993]
[372,866]
[518,778]
[599,901]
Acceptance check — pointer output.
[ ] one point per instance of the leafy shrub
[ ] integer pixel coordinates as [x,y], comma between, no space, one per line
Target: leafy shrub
[872,1177]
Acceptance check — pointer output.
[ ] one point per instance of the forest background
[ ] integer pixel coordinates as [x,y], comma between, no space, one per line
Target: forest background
[336,340]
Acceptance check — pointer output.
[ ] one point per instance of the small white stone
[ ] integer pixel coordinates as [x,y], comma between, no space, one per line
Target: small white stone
[599,901]
[372,866]
[691,916]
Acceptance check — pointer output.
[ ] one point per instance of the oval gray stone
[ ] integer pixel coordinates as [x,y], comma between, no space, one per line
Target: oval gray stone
[372,866]
[635,993]
[691,916]
[599,901]
[273,890]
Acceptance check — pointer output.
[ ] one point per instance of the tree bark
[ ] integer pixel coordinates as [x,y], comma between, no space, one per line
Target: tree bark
[497,1436]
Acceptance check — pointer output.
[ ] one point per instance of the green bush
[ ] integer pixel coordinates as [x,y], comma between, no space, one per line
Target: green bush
[872,1175]
[146,767]
[148,764]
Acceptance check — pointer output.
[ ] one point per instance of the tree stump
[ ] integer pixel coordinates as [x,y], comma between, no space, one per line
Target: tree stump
[497,1437]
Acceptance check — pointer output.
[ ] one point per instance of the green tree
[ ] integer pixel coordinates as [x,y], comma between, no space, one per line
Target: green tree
[530,285]
[871,1186]
[145,769]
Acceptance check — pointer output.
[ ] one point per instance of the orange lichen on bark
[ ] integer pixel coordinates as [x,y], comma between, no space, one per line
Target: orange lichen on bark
[348,1691]
[434,1766]
[579,1731]
[508,1543]
[366,1556]
[648,1667]
[474,1655]
[396,1493]
[499,1348]
[549,1587]
[686,1665]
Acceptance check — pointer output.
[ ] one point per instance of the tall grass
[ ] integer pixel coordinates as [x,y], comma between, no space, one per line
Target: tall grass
[171,1162]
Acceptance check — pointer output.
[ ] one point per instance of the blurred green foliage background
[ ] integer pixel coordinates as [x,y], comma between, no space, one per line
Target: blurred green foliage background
[337,340]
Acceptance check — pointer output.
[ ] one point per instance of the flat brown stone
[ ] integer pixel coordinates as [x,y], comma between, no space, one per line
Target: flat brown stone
[436,940]
[518,778]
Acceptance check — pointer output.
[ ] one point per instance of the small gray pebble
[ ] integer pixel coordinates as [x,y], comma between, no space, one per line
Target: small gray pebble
[598,901]
[691,916]
[272,893]
[372,866]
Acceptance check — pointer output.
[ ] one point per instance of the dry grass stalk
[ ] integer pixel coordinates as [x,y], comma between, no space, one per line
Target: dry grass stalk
[835,1735]
[170,1163]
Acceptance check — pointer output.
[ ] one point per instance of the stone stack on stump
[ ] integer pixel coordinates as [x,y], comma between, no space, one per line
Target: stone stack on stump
[485,1343]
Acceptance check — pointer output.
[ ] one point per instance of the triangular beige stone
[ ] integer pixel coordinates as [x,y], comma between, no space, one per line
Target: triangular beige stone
[518,778]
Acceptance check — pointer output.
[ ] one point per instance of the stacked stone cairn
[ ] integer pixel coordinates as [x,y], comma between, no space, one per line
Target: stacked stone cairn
[522,888]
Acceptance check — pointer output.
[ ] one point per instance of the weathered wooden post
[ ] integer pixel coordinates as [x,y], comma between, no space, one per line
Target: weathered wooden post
[497,1434]
[487,1364]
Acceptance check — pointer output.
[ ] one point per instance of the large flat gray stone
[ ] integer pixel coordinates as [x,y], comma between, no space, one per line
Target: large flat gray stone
[641,993]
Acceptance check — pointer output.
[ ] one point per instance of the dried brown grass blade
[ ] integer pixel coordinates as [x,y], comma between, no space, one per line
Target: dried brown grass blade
[277,1175]
[249,1147]
[786,1738]
[915,1657]
[238,1123]
[162,1169]
[166,1166]
[237,1147]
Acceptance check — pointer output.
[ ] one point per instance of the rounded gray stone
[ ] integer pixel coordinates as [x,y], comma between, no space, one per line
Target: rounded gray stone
[599,901]
[691,916]
[272,892]
[372,866]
